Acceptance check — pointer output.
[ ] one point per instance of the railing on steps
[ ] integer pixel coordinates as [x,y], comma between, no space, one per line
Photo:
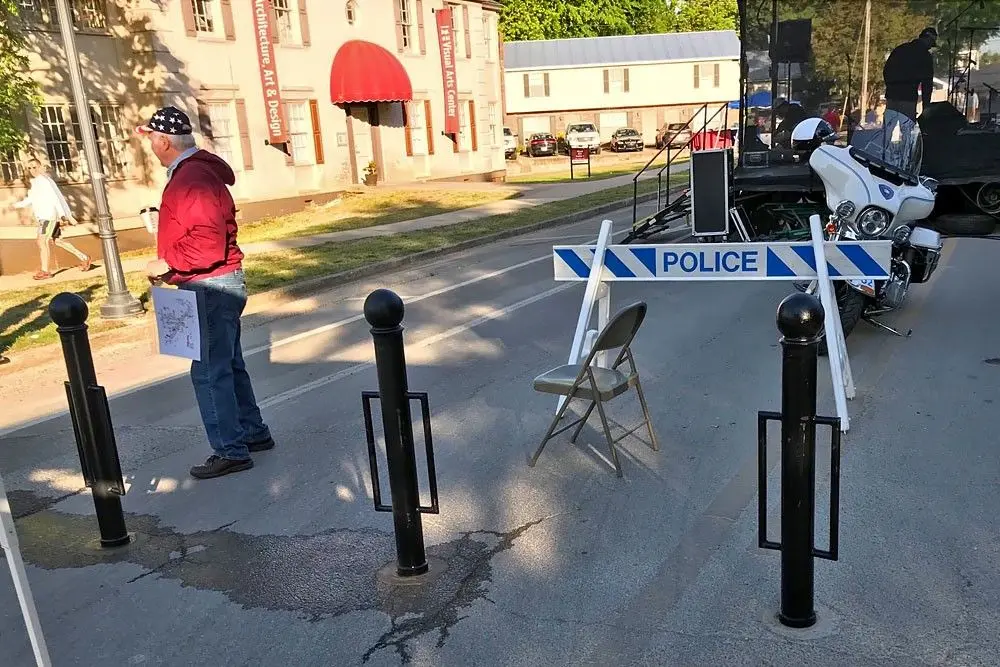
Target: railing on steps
[702,112]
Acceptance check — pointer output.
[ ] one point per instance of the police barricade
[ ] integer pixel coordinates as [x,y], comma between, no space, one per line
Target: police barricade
[603,263]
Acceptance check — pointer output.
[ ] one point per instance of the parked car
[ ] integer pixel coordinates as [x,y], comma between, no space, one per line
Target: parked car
[581,135]
[541,143]
[509,144]
[677,135]
[626,139]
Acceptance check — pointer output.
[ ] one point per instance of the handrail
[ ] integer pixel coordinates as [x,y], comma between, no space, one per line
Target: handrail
[704,127]
[635,179]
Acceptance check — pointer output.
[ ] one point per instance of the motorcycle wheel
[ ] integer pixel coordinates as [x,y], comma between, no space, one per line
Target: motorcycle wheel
[851,304]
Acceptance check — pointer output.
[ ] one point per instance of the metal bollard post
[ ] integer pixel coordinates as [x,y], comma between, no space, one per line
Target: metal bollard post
[91,416]
[384,311]
[800,320]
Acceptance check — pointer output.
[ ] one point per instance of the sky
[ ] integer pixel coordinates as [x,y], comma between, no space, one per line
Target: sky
[992,45]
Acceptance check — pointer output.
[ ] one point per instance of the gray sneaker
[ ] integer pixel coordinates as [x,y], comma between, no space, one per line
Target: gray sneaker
[216,466]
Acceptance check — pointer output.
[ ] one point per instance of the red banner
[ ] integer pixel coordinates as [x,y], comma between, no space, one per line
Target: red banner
[277,130]
[446,40]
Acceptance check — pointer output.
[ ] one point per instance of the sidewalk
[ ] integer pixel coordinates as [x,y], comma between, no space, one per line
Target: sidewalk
[531,195]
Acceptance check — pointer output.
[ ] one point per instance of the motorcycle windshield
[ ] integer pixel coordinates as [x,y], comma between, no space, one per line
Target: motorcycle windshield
[896,142]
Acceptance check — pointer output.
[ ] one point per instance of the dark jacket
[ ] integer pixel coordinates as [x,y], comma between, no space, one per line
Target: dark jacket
[197,226]
[909,65]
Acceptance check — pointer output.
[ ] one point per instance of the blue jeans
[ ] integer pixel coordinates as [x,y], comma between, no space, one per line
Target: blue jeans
[221,384]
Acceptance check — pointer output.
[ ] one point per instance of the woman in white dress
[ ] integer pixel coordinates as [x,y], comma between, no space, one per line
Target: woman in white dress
[50,209]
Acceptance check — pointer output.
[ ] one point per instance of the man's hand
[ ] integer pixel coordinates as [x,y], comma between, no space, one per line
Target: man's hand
[156,269]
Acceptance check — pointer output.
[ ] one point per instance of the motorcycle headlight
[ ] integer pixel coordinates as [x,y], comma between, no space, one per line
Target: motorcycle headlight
[873,222]
[845,209]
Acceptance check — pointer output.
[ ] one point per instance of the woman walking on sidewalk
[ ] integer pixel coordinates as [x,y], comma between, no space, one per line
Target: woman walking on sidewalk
[49,208]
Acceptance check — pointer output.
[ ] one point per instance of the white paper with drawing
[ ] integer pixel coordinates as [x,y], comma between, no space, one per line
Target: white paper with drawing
[177,325]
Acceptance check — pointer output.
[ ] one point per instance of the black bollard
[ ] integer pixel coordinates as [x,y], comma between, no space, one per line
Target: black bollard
[91,416]
[384,311]
[800,320]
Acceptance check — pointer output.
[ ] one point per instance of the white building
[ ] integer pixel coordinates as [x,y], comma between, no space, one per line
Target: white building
[639,81]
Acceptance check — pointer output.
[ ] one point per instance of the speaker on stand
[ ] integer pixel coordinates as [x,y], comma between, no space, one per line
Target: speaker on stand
[792,45]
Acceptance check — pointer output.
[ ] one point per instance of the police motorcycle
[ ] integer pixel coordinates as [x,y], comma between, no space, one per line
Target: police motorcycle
[873,190]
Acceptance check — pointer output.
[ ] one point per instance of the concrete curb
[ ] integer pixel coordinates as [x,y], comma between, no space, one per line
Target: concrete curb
[313,285]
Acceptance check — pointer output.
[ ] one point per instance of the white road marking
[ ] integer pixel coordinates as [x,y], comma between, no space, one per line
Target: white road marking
[281,342]
[493,314]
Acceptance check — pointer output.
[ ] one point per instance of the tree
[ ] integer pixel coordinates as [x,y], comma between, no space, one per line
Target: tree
[522,20]
[17,88]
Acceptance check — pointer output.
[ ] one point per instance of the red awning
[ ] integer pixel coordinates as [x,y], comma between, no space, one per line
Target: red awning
[366,72]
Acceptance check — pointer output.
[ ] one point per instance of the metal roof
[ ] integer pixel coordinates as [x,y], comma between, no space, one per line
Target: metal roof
[621,50]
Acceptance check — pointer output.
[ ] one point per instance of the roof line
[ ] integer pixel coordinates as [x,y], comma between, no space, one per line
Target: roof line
[734,57]
[649,34]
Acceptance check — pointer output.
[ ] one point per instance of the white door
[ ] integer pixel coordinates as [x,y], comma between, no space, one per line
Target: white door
[534,124]
[611,122]
[649,127]
[361,131]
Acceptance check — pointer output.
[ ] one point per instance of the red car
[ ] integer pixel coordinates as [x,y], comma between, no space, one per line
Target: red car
[541,143]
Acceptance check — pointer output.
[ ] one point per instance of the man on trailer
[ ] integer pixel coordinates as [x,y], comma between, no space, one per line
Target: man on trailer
[910,66]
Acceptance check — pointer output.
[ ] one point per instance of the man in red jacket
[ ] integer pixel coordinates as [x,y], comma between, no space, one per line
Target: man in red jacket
[197,250]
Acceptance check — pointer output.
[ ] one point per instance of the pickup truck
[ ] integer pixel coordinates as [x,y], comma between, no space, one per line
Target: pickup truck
[509,144]
[581,135]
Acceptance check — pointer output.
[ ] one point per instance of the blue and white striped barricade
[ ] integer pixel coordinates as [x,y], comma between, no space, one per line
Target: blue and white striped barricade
[845,260]
[864,261]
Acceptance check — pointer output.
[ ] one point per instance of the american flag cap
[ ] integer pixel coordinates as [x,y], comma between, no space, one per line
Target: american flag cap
[168,120]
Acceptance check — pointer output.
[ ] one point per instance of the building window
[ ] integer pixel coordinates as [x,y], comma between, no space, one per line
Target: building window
[417,123]
[300,133]
[351,8]
[10,167]
[706,75]
[405,23]
[56,136]
[464,129]
[286,19]
[456,21]
[205,15]
[616,80]
[494,119]
[112,142]
[536,84]
[86,14]
[224,132]
[488,36]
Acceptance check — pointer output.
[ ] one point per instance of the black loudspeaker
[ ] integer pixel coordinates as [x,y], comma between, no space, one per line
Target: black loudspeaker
[794,42]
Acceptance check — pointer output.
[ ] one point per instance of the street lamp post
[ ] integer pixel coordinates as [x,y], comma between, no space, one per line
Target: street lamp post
[120,302]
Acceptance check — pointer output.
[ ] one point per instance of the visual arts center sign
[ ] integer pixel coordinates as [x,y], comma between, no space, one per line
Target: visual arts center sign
[277,129]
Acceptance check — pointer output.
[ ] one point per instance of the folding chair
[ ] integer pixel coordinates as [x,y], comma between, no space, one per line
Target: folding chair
[597,384]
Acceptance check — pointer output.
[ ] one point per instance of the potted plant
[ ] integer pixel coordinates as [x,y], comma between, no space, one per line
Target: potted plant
[371,173]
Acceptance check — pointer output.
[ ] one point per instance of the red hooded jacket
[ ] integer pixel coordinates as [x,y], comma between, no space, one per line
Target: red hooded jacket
[196,235]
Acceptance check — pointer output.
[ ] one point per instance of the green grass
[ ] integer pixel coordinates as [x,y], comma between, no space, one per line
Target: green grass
[597,173]
[355,210]
[25,321]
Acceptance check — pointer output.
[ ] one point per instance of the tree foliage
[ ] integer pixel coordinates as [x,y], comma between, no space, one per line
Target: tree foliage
[17,89]
[524,20]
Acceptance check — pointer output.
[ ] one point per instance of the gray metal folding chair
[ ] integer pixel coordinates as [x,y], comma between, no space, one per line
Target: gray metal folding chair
[597,384]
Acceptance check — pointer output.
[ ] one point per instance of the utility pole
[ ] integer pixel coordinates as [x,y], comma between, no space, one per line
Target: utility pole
[120,302]
[864,68]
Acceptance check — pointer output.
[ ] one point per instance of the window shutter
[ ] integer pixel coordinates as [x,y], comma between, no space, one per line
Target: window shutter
[472,125]
[626,79]
[697,77]
[289,158]
[204,120]
[430,130]
[545,78]
[187,13]
[716,75]
[398,18]
[407,128]
[304,23]
[468,31]
[607,82]
[241,122]
[227,19]
[420,27]
[317,132]
[527,86]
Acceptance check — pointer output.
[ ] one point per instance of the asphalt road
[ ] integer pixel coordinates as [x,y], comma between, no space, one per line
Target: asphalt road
[560,564]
